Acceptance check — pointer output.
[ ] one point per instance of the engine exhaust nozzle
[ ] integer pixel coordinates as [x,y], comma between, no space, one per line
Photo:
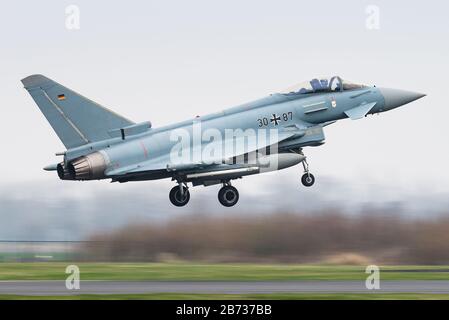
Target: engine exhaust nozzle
[90,167]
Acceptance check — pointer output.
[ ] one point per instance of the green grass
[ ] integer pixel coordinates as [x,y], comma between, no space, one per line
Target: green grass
[197,271]
[274,296]
[33,256]
[203,271]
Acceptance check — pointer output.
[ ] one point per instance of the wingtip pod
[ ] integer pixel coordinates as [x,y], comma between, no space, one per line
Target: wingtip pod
[35,80]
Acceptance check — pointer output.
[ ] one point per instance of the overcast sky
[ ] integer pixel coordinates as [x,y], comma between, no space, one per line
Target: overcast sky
[167,61]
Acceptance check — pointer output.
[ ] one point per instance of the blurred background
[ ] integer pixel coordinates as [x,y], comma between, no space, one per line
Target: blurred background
[382,191]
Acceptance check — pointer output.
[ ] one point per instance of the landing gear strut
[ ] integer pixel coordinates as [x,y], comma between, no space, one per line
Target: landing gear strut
[180,195]
[307,178]
[228,195]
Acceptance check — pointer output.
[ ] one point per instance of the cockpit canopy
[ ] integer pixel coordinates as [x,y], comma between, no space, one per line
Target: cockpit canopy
[331,84]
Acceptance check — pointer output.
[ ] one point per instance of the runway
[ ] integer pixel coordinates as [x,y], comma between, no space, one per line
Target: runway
[57,287]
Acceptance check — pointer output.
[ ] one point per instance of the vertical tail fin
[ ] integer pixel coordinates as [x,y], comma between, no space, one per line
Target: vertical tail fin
[75,119]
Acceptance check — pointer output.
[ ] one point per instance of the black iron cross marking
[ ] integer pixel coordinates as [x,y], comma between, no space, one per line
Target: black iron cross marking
[275,119]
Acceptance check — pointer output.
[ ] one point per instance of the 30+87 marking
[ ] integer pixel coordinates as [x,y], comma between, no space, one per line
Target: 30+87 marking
[275,119]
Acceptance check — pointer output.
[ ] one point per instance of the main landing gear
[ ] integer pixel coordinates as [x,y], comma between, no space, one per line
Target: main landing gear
[307,178]
[228,195]
[180,195]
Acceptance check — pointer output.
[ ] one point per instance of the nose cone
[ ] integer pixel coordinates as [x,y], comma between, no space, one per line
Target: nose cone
[395,98]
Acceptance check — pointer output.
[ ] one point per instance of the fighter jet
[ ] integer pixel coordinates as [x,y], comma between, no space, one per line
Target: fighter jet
[260,136]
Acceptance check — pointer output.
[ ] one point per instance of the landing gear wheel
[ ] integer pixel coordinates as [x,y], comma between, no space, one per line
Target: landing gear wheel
[308,179]
[228,196]
[177,198]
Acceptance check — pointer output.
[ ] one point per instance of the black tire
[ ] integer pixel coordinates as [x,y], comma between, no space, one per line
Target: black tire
[228,196]
[308,179]
[175,196]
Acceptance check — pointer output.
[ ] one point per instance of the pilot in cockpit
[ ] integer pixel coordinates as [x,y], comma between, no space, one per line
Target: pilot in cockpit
[333,84]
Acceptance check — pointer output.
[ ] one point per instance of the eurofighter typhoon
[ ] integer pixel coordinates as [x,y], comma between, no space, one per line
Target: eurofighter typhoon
[260,136]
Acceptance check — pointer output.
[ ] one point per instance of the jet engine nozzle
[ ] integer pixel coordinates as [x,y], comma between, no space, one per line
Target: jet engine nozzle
[63,172]
[90,167]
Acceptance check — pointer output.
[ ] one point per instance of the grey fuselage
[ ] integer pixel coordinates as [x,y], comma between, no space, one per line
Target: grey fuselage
[303,110]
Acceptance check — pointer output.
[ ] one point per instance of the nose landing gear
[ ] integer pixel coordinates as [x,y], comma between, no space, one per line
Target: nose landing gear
[228,195]
[179,195]
[307,178]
